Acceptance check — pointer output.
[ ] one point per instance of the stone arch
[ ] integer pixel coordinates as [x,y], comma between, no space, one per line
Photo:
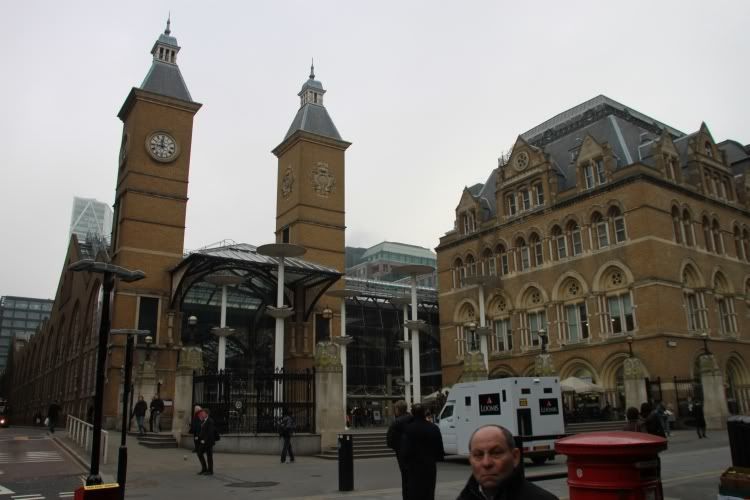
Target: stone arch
[528,371]
[526,296]
[499,304]
[606,277]
[736,365]
[559,289]
[596,209]
[720,283]
[502,371]
[571,218]
[690,275]
[551,225]
[581,368]
[615,203]
[466,310]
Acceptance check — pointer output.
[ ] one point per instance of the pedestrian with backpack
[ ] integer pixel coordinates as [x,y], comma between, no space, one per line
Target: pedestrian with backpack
[286,429]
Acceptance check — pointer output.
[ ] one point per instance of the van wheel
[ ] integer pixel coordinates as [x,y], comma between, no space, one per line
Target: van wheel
[538,460]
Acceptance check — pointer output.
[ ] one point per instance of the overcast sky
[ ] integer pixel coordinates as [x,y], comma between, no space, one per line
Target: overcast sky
[430,93]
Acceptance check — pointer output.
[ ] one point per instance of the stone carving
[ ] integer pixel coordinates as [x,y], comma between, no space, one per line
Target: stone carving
[327,357]
[474,367]
[632,369]
[708,365]
[323,181]
[543,366]
[287,182]
[191,358]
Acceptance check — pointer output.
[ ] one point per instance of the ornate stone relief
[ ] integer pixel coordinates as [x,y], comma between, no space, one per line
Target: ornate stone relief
[323,182]
[287,182]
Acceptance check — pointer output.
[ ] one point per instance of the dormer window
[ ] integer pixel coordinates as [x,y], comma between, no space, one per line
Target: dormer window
[709,151]
[539,191]
[511,202]
[594,173]
[526,199]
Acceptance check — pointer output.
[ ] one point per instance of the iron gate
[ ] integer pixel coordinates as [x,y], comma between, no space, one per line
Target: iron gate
[250,402]
[653,390]
[687,390]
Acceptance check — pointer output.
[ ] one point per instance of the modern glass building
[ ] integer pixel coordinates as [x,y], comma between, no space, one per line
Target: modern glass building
[20,317]
[90,216]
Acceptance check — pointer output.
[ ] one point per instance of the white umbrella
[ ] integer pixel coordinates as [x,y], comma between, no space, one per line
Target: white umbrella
[579,386]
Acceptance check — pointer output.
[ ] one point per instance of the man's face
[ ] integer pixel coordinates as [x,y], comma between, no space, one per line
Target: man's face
[490,457]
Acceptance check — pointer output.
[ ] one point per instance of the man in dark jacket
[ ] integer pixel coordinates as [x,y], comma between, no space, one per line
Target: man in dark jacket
[139,412]
[421,447]
[157,408]
[207,438]
[494,463]
[53,413]
[394,437]
[286,429]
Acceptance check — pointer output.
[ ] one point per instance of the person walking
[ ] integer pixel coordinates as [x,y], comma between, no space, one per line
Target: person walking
[157,408]
[195,427]
[53,413]
[286,429]
[634,423]
[700,419]
[139,412]
[651,420]
[395,435]
[206,441]
[421,448]
[495,474]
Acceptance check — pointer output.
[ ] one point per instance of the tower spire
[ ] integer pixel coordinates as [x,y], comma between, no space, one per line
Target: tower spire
[312,69]
[169,21]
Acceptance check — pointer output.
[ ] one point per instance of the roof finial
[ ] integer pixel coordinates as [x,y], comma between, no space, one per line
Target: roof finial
[169,21]
[312,69]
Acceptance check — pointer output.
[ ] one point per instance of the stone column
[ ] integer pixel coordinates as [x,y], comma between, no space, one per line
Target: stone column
[543,366]
[635,385]
[191,359]
[474,367]
[328,391]
[714,397]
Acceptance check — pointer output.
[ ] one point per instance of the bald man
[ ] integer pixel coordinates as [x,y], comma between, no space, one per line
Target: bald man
[494,463]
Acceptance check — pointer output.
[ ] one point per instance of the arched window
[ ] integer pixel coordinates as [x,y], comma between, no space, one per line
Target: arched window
[708,150]
[739,251]
[535,242]
[725,306]
[488,263]
[687,228]
[459,273]
[539,193]
[534,318]
[618,224]
[718,240]
[576,324]
[707,238]
[695,303]
[670,167]
[523,254]
[502,340]
[601,231]
[471,266]
[502,259]
[573,232]
[746,243]
[559,243]
[677,225]
[525,198]
[510,202]
[619,302]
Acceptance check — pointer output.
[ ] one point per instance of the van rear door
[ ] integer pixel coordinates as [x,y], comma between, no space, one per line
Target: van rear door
[447,425]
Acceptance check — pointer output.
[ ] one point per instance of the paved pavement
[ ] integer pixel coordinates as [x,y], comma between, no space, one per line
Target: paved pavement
[34,467]
[691,468]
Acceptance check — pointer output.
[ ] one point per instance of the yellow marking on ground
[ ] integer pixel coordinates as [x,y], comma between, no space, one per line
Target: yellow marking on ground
[21,438]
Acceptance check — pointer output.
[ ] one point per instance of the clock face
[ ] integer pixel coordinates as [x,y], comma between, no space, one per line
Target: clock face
[522,160]
[162,147]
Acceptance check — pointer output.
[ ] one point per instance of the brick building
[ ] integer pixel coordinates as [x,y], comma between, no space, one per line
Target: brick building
[604,231]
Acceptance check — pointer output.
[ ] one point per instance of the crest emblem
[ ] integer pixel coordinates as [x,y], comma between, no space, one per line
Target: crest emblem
[323,182]
[287,182]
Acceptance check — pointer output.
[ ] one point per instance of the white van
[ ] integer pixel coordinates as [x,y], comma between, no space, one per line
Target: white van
[526,406]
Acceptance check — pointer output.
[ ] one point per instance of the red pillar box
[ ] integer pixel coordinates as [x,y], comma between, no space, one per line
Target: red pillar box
[613,465]
[109,491]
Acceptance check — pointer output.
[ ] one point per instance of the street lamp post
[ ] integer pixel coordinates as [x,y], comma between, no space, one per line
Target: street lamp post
[343,340]
[471,343]
[630,345]
[192,323]
[405,345]
[542,333]
[327,315]
[109,272]
[122,459]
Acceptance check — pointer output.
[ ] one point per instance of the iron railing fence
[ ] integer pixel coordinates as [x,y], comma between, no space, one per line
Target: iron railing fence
[244,402]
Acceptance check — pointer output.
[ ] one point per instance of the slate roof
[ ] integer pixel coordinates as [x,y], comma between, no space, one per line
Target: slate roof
[314,118]
[165,79]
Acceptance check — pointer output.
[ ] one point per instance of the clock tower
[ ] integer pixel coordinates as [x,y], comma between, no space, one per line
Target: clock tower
[151,199]
[310,208]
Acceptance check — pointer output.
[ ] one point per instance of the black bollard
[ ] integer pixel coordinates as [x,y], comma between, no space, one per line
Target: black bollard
[346,462]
